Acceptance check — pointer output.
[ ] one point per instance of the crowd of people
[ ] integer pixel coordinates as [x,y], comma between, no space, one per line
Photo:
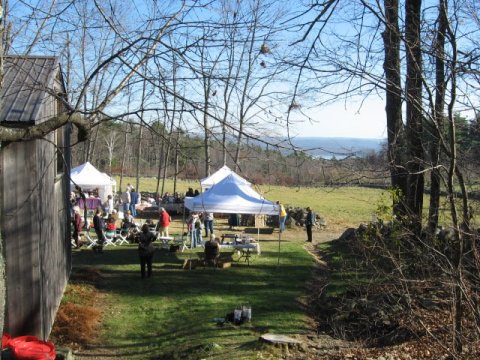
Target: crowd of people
[200,225]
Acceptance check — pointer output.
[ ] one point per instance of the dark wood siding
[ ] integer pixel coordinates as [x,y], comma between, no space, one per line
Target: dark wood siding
[35,229]
[21,234]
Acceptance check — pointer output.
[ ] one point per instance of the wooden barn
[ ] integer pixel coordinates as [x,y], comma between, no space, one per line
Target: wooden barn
[34,196]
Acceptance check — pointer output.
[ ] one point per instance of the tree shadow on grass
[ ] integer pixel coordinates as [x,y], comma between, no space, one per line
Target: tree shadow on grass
[175,308]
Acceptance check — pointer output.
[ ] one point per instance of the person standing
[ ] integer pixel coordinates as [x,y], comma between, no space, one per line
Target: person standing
[133,202]
[164,222]
[197,231]
[192,220]
[126,200]
[233,221]
[146,250]
[108,206]
[309,222]
[77,226]
[282,213]
[208,222]
[99,226]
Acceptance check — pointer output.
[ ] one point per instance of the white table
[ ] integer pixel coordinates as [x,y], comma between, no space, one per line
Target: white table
[165,241]
[244,249]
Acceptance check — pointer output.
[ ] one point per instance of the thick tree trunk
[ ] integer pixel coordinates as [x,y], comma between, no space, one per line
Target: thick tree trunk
[393,105]
[2,258]
[3,282]
[415,164]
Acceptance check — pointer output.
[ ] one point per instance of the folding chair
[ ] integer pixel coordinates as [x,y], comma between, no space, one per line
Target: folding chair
[182,242]
[91,241]
[110,238]
[126,234]
[121,236]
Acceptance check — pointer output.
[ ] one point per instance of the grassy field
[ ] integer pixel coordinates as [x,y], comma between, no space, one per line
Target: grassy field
[171,315]
[342,207]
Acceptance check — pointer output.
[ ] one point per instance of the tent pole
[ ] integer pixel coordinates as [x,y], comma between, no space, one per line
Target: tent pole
[279,239]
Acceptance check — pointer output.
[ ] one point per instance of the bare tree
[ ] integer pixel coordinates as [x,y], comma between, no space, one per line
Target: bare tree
[111,141]
[118,67]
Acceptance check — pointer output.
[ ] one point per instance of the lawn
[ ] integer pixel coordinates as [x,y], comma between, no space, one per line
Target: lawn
[171,315]
[342,207]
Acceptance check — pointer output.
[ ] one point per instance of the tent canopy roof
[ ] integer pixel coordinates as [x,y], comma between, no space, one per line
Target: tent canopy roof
[231,196]
[219,175]
[87,175]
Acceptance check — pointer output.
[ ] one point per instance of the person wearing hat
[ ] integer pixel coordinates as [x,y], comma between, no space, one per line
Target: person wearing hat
[282,216]
[163,222]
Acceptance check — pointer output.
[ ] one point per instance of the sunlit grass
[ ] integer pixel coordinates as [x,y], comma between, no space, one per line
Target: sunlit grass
[342,207]
[171,314]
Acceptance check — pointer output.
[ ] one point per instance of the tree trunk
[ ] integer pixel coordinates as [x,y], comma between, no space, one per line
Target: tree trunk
[124,154]
[140,132]
[160,165]
[3,281]
[415,164]
[139,155]
[460,231]
[393,105]
[437,118]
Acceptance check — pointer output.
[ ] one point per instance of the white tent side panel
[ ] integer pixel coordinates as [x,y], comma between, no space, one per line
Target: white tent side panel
[231,197]
[89,178]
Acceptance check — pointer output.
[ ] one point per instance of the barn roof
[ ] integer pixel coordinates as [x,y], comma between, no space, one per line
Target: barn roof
[26,83]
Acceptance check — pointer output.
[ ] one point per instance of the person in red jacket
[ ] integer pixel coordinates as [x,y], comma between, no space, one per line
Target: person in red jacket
[163,222]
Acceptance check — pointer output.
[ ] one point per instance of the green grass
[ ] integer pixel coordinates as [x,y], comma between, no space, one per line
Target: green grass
[171,314]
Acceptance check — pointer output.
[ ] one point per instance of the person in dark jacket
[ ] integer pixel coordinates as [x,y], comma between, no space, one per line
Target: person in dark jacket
[99,226]
[134,200]
[309,222]
[146,250]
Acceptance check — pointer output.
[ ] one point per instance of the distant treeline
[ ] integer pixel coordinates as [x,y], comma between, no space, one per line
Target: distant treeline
[114,149]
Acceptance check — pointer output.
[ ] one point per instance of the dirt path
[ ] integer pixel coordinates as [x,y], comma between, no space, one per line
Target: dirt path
[318,346]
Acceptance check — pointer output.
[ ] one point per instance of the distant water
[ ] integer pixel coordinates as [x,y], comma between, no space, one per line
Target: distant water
[339,148]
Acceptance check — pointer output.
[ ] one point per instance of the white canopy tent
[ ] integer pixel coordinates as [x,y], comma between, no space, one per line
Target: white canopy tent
[232,196]
[89,178]
[219,175]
